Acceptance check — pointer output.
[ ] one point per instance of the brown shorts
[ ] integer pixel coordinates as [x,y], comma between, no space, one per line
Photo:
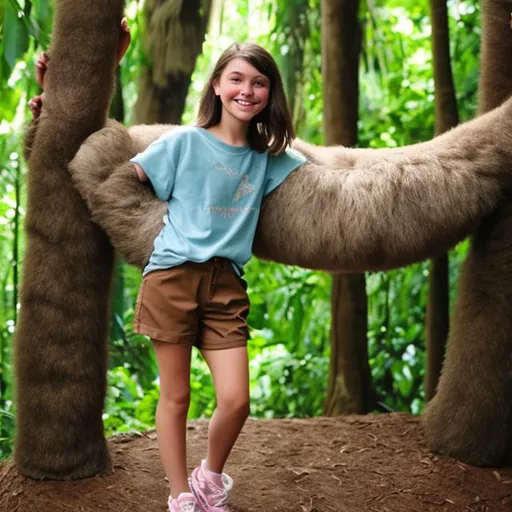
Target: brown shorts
[204,304]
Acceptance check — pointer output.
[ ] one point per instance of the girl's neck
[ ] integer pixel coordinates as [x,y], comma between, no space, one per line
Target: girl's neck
[234,134]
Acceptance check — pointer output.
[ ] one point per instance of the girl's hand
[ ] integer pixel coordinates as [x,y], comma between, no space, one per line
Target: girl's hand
[41,68]
[35,105]
[124,39]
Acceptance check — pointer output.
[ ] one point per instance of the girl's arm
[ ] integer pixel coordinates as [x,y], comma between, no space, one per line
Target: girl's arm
[140,173]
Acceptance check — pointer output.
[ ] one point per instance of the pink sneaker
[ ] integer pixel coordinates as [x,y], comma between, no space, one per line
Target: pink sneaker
[185,502]
[209,494]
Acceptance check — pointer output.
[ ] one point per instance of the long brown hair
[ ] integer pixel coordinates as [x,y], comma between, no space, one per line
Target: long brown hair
[272,128]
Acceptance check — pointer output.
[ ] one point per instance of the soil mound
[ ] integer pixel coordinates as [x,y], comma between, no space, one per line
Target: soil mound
[346,464]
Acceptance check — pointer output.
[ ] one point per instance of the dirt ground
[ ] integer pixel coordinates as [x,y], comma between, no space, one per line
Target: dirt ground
[348,464]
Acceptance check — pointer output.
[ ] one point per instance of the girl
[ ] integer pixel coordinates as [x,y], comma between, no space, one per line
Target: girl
[214,176]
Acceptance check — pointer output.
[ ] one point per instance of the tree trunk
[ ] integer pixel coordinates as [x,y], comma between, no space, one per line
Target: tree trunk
[61,336]
[350,387]
[470,417]
[438,307]
[438,322]
[174,37]
[295,26]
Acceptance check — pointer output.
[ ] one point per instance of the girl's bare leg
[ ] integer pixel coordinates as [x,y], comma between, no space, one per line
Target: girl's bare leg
[171,414]
[230,372]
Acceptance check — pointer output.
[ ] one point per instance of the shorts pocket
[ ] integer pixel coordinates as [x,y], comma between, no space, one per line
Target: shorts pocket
[138,303]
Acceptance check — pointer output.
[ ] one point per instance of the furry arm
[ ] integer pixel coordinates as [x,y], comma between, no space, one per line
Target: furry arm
[346,210]
[62,328]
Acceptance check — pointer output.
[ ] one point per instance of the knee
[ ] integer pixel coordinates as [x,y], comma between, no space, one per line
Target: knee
[175,404]
[235,404]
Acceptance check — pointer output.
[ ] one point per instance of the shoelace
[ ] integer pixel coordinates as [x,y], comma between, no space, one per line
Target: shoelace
[218,495]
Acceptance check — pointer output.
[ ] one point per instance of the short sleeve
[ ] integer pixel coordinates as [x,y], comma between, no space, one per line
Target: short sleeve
[158,164]
[280,167]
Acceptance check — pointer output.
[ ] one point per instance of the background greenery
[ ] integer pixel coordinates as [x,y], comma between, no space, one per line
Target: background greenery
[290,313]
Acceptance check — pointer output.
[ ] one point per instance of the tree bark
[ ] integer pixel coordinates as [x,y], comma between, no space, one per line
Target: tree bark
[349,389]
[295,26]
[174,37]
[438,306]
[350,385]
[437,322]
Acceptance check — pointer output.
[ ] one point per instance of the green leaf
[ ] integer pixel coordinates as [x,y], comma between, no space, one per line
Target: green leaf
[42,9]
[10,97]
[15,34]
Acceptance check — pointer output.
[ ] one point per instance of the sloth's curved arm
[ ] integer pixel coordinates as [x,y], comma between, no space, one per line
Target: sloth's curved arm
[128,210]
[345,210]
[351,210]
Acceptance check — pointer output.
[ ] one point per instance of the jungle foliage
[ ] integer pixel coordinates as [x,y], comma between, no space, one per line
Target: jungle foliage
[290,313]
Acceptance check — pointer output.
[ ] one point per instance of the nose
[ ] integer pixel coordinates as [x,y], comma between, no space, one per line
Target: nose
[246,90]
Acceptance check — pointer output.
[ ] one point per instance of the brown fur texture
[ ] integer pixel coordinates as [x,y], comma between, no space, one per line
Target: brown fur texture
[127,210]
[60,340]
[346,210]
[470,417]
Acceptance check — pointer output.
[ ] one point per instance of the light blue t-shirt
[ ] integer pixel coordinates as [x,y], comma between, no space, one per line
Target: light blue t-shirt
[214,191]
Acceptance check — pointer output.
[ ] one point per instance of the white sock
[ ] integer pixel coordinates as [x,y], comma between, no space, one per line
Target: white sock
[216,478]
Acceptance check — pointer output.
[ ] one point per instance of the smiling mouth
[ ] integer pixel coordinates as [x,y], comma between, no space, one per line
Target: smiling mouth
[245,103]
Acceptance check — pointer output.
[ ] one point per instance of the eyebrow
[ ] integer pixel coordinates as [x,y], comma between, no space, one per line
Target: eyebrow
[254,77]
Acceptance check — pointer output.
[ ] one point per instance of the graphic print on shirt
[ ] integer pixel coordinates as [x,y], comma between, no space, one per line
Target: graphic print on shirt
[244,188]
[226,170]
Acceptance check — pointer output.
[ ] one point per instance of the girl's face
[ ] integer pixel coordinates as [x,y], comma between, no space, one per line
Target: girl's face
[243,90]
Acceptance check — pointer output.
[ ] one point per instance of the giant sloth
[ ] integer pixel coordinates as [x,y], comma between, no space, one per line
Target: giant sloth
[345,210]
